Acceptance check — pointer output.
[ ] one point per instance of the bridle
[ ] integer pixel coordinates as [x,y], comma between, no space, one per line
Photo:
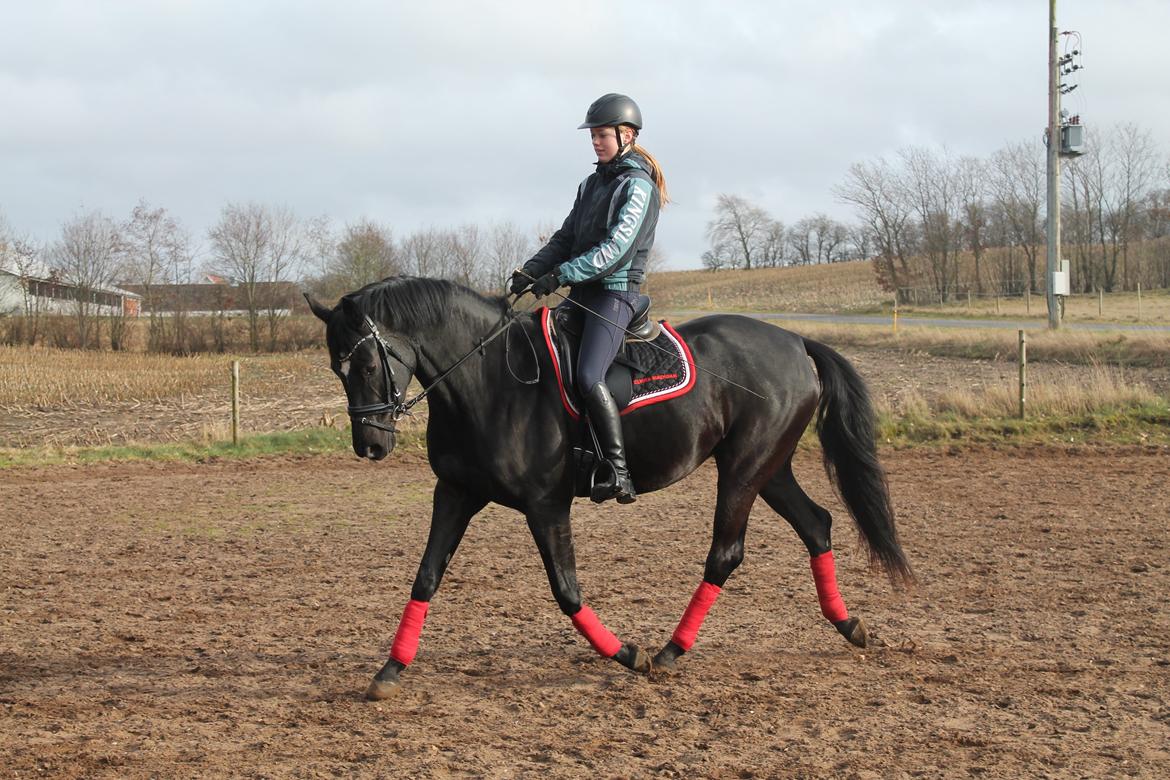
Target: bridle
[392,402]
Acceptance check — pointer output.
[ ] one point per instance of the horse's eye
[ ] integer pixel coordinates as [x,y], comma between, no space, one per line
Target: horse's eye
[368,370]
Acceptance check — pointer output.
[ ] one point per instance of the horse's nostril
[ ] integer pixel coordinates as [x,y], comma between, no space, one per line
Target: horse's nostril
[375,452]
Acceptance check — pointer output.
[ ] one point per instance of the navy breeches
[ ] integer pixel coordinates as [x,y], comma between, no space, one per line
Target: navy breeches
[601,340]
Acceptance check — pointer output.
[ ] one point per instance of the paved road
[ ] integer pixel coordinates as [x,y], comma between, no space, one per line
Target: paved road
[931,322]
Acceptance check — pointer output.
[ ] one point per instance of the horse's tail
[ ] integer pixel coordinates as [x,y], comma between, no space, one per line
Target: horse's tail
[847,427]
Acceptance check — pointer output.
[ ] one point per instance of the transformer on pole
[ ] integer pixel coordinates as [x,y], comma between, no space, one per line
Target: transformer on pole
[1064,138]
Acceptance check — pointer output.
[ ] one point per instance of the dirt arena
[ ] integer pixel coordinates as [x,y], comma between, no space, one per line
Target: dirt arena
[223,619]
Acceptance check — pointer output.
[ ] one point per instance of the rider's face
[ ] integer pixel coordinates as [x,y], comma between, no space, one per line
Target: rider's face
[605,144]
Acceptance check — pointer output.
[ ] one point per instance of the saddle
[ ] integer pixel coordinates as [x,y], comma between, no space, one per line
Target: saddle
[654,364]
[567,327]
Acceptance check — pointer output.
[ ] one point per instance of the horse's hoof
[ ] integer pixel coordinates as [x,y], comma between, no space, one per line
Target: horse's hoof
[634,658]
[854,630]
[665,660]
[385,683]
[380,690]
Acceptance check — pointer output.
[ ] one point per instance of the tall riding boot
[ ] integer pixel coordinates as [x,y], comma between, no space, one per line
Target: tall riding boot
[607,424]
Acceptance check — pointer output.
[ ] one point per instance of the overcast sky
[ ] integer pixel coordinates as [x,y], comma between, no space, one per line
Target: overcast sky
[439,113]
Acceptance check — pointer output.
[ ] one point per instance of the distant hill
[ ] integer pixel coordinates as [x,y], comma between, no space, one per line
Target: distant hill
[836,287]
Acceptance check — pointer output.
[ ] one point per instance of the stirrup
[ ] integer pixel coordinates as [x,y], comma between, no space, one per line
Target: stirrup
[613,487]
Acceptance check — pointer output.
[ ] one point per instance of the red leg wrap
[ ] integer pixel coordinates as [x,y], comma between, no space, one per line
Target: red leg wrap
[688,628]
[603,641]
[825,576]
[406,639]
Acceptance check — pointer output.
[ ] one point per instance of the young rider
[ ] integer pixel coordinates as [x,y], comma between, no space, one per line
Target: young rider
[600,252]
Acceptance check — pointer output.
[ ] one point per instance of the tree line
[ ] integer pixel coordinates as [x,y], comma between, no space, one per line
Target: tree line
[253,248]
[929,220]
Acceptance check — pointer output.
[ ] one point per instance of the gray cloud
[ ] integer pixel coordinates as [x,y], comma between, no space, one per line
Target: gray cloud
[452,112]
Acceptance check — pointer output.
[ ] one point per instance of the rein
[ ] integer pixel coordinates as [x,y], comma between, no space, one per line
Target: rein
[396,406]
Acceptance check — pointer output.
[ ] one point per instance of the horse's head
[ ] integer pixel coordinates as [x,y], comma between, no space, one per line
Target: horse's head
[375,368]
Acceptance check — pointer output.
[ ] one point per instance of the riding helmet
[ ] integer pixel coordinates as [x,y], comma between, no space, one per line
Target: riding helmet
[612,110]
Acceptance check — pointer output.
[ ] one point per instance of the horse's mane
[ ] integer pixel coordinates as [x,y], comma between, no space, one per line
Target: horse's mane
[406,303]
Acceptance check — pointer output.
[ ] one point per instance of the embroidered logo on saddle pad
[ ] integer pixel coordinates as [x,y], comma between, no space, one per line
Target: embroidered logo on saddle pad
[643,373]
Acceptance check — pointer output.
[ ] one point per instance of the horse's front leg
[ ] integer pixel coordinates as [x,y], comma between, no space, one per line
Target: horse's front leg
[554,538]
[452,510]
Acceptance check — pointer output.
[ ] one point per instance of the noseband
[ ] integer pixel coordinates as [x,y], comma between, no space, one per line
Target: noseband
[391,402]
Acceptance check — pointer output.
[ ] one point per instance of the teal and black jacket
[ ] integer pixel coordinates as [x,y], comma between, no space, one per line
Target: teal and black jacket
[607,236]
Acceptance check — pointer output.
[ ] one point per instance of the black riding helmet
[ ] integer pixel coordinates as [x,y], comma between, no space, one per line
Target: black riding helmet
[614,110]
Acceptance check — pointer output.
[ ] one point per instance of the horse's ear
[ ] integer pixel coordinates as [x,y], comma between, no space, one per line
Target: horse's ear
[322,311]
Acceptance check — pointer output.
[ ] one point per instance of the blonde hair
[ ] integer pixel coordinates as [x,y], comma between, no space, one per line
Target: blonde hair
[655,168]
[655,173]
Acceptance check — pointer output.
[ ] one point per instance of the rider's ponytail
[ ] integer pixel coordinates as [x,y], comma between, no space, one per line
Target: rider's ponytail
[656,173]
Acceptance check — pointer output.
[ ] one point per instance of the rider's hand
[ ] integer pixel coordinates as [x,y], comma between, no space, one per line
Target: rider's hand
[546,284]
[520,281]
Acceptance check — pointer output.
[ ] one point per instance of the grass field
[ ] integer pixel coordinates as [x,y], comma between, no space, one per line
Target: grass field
[73,405]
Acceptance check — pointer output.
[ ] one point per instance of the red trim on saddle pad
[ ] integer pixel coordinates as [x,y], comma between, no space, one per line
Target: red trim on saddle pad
[825,576]
[545,316]
[409,628]
[669,339]
[688,628]
[602,639]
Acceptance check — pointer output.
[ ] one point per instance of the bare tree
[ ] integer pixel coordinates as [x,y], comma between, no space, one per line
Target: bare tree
[1017,186]
[465,247]
[365,253]
[156,249]
[20,257]
[800,241]
[87,257]
[935,194]
[881,198]
[1136,170]
[772,245]
[971,180]
[258,247]
[718,257]
[423,253]
[507,248]
[738,225]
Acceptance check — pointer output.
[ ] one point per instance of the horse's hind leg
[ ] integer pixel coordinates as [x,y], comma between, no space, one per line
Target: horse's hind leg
[554,538]
[451,512]
[813,524]
[732,506]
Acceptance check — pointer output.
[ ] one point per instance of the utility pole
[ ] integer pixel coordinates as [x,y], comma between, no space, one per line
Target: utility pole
[1053,171]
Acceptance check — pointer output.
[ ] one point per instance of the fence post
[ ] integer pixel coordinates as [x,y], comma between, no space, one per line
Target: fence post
[1100,301]
[1023,372]
[1139,301]
[997,303]
[235,402]
[895,313]
[1028,301]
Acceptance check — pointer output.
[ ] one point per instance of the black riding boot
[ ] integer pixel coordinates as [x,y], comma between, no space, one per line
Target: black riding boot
[607,424]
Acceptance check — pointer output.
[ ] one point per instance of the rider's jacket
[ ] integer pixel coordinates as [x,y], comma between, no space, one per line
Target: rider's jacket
[607,236]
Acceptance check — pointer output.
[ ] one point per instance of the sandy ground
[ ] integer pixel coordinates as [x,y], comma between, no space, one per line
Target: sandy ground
[223,619]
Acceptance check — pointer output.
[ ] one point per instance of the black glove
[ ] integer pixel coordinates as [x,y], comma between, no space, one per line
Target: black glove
[546,284]
[520,281]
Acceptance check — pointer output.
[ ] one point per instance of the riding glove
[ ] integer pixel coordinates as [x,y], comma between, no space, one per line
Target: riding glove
[520,281]
[546,284]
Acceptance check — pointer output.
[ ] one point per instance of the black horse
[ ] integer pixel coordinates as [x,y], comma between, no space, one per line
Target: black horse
[490,437]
